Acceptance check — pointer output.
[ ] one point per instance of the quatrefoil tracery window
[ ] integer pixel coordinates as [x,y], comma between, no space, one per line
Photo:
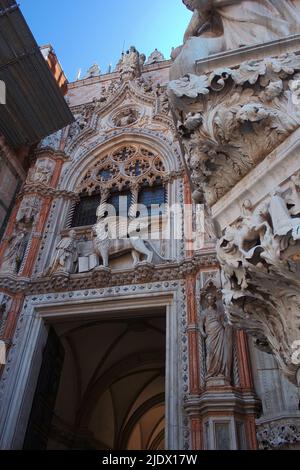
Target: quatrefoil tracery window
[127,166]
[133,171]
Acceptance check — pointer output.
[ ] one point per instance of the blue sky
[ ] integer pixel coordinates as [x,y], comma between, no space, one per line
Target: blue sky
[85,32]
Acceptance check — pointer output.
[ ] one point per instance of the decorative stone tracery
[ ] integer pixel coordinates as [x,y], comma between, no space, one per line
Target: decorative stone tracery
[126,166]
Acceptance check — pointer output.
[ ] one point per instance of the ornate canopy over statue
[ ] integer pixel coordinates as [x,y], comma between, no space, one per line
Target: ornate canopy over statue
[220,25]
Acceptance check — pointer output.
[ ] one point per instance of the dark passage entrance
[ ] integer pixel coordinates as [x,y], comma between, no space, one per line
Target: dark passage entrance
[41,415]
[102,385]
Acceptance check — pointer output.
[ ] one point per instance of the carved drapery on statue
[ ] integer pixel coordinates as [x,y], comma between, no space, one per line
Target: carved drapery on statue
[66,256]
[217,334]
[220,25]
[18,241]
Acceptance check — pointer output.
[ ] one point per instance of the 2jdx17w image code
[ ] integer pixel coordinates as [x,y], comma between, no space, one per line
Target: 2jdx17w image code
[150,459]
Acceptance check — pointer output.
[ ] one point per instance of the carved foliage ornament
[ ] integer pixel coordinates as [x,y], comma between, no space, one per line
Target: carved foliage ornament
[278,435]
[260,260]
[233,118]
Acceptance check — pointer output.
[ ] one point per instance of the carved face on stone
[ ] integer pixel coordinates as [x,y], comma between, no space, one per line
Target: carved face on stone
[211,300]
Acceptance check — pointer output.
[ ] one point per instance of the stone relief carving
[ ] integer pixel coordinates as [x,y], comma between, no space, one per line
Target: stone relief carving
[66,256]
[259,256]
[162,105]
[219,25]
[275,436]
[218,338]
[25,221]
[143,273]
[81,123]
[126,117]
[233,118]
[41,172]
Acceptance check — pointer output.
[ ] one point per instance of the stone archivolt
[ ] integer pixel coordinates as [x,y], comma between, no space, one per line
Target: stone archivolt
[233,118]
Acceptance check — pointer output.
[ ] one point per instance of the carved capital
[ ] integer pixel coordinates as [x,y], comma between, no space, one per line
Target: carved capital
[231,119]
[260,259]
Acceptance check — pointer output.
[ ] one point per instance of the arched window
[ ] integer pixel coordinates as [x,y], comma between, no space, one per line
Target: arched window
[132,172]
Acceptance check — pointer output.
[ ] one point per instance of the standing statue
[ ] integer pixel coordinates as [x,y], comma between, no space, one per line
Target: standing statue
[130,64]
[14,253]
[218,340]
[66,256]
[220,25]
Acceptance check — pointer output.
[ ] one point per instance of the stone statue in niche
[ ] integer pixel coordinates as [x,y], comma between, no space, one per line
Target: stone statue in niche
[14,253]
[217,334]
[66,256]
[220,25]
[41,173]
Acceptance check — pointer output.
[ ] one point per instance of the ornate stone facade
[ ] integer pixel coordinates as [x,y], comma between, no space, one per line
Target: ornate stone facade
[233,119]
[67,264]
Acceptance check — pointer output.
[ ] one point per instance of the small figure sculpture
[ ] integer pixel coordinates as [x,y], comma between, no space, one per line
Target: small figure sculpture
[66,256]
[126,118]
[15,251]
[130,64]
[282,221]
[218,340]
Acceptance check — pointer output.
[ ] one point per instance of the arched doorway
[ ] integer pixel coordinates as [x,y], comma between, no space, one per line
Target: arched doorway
[111,392]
